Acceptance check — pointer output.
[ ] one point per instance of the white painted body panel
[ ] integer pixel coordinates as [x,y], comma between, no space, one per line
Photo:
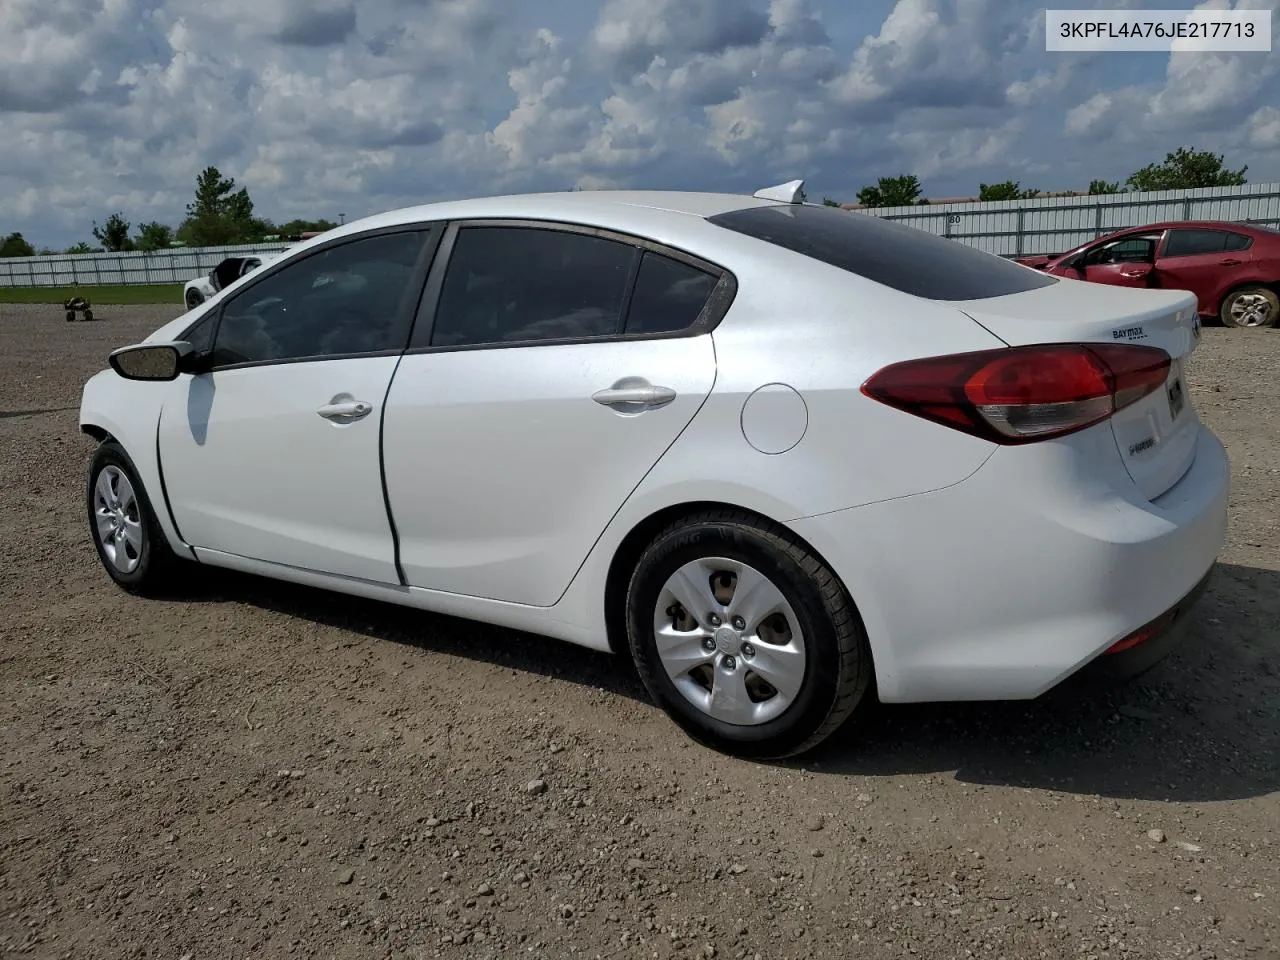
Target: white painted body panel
[254,470]
[129,411]
[980,571]
[502,471]
[1001,586]
[200,284]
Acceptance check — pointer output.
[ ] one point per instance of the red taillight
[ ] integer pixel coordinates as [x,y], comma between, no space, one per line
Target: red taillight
[1021,394]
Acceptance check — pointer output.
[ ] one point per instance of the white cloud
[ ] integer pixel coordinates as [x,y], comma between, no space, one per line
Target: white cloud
[328,106]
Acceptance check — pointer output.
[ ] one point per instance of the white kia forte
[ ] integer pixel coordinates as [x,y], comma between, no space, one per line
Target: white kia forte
[781,455]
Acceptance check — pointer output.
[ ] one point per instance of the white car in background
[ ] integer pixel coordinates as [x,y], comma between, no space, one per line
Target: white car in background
[772,451]
[200,289]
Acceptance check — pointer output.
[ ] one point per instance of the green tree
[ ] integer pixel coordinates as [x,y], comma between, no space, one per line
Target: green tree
[114,234]
[828,202]
[1009,190]
[219,214]
[16,245]
[1185,169]
[1097,187]
[80,249]
[903,191]
[296,227]
[153,236]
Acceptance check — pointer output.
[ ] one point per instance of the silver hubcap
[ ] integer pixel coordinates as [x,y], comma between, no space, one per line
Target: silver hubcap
[119,522]
[729,641]
[1251,310]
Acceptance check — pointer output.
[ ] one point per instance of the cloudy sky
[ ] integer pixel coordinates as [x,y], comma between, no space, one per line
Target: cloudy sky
[328,107]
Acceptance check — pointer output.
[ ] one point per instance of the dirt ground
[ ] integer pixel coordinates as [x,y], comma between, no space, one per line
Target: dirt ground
[259,770]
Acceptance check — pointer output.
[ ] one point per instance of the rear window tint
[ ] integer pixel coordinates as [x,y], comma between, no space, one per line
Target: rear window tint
[1191,243]
[904,258]
[669,295]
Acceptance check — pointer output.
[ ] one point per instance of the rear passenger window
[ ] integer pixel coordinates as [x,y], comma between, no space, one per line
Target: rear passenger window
[669,295]
[520,284]
[1189,243]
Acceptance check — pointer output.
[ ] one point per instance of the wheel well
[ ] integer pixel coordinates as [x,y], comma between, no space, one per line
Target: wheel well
[634,543]
[95,431]
[1272,285]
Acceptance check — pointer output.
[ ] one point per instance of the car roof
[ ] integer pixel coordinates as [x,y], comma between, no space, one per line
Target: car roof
[638,210]
[1191,224]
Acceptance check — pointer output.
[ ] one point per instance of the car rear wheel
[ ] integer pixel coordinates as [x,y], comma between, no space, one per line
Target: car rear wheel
[747,641]
[129,541]
[1253,307]
[194,299]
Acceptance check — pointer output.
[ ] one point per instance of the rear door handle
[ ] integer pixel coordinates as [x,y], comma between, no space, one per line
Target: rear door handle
[346,411]
[1230,262]
[633,395]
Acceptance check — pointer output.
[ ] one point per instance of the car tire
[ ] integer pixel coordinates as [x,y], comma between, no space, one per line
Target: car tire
[799,629]
[1253,308]
[137,557]
[194,299]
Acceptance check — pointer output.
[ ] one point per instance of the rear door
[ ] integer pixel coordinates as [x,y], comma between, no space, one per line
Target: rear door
[550,368]
[1205,261]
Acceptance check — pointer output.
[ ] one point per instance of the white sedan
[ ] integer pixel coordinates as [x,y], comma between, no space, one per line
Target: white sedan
[774,452]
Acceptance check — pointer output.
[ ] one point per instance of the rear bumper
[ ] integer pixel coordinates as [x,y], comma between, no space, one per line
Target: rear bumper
[1151,643]
[1003,585]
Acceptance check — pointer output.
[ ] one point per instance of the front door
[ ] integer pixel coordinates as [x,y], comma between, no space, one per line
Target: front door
[559,368]
[273,453]
[1119,274]
[1121,262]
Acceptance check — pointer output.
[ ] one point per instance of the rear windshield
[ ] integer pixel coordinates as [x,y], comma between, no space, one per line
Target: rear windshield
[904,258]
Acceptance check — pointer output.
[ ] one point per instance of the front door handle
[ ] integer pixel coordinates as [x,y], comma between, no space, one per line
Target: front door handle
[633,395]
[345,411]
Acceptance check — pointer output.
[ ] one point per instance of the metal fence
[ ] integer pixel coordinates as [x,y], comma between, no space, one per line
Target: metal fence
[1056,224]
[176,265]
[1008,227]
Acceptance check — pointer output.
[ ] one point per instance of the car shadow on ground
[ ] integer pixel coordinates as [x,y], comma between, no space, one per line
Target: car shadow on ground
[432,632]
[1203,725]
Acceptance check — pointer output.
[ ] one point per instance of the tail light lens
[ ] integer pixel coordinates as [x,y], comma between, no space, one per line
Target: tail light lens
[1022,394]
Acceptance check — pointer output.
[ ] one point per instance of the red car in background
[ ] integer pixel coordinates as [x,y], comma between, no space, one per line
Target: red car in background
[1232,268]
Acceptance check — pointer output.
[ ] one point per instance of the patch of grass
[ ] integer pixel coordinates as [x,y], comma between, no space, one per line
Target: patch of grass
[104,296]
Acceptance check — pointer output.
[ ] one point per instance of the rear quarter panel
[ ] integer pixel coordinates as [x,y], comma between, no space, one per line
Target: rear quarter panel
[823,332]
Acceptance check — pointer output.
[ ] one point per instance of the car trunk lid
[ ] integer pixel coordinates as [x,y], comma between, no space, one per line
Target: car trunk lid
[1155,437]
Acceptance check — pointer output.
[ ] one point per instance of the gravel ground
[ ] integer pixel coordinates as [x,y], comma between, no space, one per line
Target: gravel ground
[259,770]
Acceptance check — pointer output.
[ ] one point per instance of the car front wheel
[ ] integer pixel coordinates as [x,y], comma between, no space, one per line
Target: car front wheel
[747,641]
[129,541]
[194,299]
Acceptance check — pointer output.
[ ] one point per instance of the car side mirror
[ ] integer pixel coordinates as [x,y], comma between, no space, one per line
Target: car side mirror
[150,361]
